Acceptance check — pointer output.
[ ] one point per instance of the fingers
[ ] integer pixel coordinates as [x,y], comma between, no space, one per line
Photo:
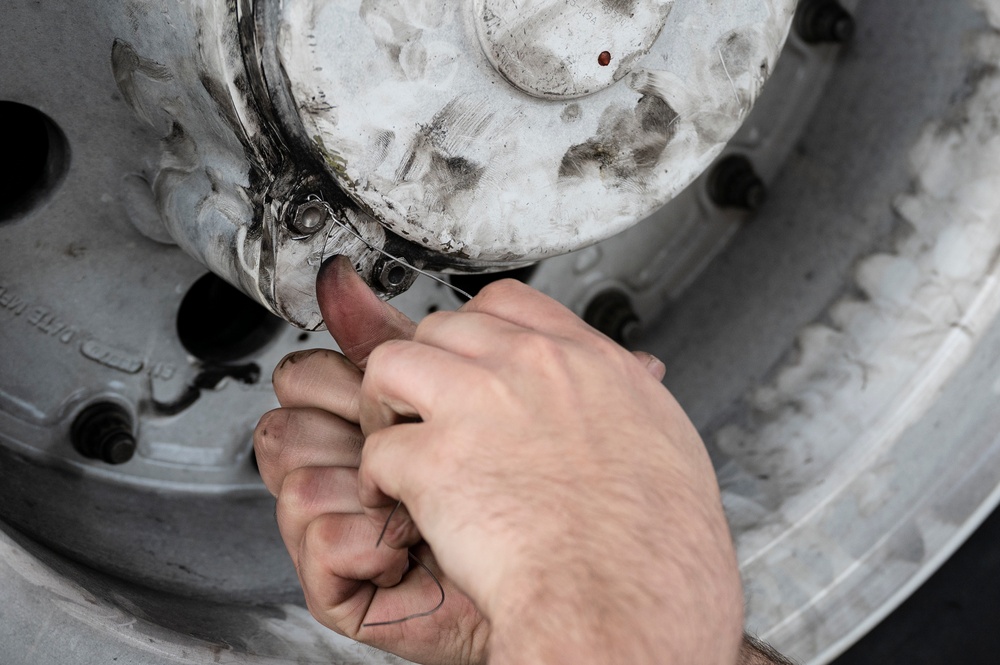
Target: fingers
[472,334]
[340,569]
[402,382]
[309,492]
[469,334]
[355,316]
[396,465]
[286,439]
[520,304]
[319,378]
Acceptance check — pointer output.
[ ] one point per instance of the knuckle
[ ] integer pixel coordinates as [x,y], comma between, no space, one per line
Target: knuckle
[433,324]
[301,494]
[435,319]
[384,353]
[538,348]
[498,293]
[317,538]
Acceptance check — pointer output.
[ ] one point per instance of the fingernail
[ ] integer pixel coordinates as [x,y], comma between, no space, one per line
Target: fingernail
[655,366]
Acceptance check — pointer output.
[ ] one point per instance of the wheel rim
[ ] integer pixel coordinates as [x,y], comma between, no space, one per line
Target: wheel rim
[824,554]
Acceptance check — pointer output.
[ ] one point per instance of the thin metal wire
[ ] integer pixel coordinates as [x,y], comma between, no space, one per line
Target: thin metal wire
[385,526]
[350,229]
[419,563]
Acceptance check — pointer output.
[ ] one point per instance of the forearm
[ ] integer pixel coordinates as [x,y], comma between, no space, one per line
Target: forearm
[755,652]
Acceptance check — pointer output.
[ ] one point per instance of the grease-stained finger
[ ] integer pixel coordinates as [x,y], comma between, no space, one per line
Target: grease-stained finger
[287,438]
[354,315]
[319,378]
[307,493]
[340,569]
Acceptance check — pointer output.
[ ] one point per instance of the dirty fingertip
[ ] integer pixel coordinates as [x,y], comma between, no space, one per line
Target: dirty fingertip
[336,267]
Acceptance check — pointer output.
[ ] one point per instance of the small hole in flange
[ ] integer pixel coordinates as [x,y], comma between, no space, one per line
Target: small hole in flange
[217,323]
[33,161]
[604,59]
[304,337]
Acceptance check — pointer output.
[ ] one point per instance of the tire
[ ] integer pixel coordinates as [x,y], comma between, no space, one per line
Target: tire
[837,348]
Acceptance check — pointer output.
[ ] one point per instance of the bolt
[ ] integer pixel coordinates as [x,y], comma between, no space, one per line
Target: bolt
[733,183]
[611,313]
[309,218]
[819,21]
[104,431]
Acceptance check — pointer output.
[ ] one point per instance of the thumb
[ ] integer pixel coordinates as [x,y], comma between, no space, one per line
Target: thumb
[358,320]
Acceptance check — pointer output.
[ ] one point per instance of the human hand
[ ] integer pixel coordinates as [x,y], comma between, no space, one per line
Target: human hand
[308,452]
[559,485]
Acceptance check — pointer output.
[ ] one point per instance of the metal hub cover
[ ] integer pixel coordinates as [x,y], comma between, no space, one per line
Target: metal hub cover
[496,132]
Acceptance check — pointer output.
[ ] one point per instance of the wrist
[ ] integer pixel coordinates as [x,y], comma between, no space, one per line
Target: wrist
[583,616]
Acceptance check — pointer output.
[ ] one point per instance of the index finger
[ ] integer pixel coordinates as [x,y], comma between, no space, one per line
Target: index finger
[358,320]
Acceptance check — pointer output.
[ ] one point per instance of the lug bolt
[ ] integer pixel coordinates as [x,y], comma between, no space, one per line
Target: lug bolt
[819,21]
[103,431]
[309,218]
[734,184]
[611,313]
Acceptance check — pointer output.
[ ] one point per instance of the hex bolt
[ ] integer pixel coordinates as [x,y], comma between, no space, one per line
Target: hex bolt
[611,312]
[824,21]
[103,431]
[309,218]
[733,183]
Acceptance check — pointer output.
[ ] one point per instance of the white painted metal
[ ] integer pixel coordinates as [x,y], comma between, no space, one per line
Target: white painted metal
[430,113]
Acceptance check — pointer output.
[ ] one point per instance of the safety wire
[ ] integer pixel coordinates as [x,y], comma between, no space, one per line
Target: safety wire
[403,262]
[419,563]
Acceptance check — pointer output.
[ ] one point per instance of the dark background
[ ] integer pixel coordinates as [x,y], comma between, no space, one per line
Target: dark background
[953,618]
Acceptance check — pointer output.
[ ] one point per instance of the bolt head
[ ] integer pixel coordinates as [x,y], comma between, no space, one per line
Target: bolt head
[309,218]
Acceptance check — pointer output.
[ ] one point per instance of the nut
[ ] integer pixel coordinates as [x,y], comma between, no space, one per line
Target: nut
[309,218]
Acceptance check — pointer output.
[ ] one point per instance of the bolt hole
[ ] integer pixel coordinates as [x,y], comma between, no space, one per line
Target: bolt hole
[303,337]
[217,323]
[473,284]
[396,275]
[33,161]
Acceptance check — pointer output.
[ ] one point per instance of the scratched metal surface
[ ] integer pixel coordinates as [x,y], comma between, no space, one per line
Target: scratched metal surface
[249,112]
[456,156]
